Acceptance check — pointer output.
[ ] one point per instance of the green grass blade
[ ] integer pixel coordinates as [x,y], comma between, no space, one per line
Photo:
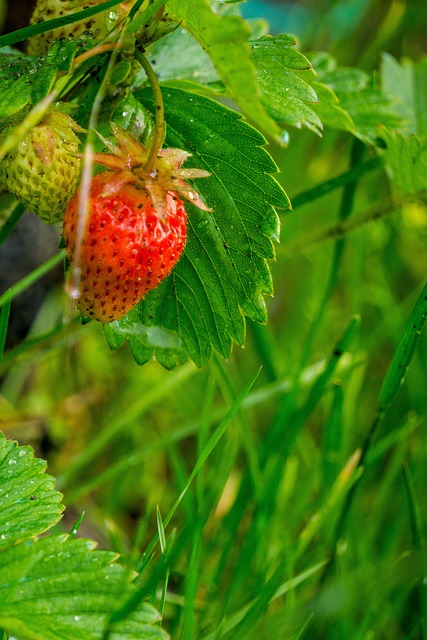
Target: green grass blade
[396,373]
[230,623]
[210,446]
[11,222]
[191,585]
[161,530]
[255,399]
[212,442]
[41,27]
[76,526]
[280,441]
[226,383]
[31,278]
[4,323]
[134,601]
[136,410]
[344,179]
[393,380]
[317,389]
[163,549]
[349,475]
[299,633]
[266,349]
[419,544]
[346,208]
[332,441]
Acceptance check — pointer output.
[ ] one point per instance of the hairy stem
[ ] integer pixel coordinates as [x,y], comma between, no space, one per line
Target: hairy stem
[159,132]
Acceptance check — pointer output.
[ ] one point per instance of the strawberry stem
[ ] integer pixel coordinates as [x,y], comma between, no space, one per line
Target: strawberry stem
[159,130]
[93,52]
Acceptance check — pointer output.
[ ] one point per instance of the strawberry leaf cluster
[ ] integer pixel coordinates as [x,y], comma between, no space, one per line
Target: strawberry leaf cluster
[58,585]
[200,51]
[223,274]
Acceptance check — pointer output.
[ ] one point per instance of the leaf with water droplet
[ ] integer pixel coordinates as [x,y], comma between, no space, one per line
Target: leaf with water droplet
[68,589]
[21,477]
[223,274]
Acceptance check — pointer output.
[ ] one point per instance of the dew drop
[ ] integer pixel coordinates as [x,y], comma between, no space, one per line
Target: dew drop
[74,293]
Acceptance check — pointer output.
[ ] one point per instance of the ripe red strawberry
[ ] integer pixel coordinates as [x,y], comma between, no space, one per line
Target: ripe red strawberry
[135,230]
[128,248]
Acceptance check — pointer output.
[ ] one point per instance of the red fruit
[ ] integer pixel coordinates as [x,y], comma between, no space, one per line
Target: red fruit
[127,249]
[136,225]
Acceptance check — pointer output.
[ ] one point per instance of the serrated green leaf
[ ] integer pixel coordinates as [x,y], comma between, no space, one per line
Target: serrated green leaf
[29,504]
[286,97]
[407,83]
[224,38]
[279,51]
[284,94]
[406,162]
[329,109]
[17,75]
[61,588]
[367,105]
[28,79]
[223,274]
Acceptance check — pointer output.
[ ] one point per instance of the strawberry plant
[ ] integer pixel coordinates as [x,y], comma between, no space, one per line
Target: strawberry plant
[155,143]
[56,586]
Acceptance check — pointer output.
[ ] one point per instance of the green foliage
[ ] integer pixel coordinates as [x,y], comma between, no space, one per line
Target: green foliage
[262,497]
[223,273]
[56,587]
[224,38]
[16,72]
[407,82]
[406,159]
[29,503]
[367,104]
[284,94]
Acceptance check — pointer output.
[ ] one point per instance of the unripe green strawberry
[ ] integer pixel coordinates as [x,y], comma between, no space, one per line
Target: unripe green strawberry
[43,170]
[98,25]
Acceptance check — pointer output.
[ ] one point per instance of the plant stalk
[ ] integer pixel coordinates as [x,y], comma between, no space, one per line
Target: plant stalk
[159,131]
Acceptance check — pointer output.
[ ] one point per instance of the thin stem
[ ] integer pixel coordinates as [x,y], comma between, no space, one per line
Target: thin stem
[159,132]
[344,227]
[33,344]
[11,222]
[85,183]
[31,278]
[102,48]
[348,177]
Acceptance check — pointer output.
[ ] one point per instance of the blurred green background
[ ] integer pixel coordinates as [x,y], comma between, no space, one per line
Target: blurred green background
[260,520]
